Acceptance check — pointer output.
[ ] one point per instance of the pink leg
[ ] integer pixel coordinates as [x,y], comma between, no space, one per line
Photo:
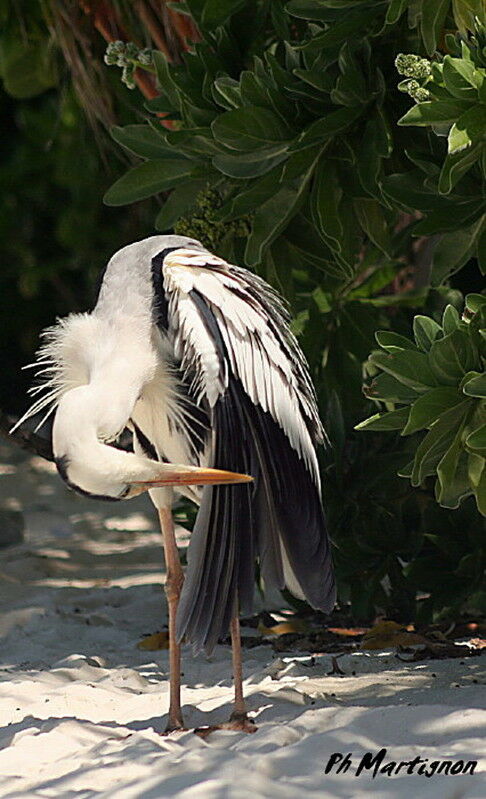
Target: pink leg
[238,720]
[173,587]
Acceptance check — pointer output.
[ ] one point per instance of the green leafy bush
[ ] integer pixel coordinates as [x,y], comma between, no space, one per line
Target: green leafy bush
[438,382]
[288,116]
[452,102]
[303,134]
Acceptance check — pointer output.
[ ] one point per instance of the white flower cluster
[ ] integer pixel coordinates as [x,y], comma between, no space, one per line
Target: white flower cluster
[417,70]
[127,56]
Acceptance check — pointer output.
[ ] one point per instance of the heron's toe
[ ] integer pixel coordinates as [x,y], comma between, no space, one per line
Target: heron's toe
[238,722]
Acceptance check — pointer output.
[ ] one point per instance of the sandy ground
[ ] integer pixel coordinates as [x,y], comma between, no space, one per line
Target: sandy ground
[82,708]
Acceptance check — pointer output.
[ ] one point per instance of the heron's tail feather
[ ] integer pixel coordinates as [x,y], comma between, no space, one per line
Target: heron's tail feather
[278,518]
[220,568]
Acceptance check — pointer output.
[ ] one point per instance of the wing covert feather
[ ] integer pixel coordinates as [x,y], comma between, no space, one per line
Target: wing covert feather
[259,348]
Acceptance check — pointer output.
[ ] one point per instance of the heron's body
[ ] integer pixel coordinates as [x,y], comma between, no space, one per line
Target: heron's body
[197,358]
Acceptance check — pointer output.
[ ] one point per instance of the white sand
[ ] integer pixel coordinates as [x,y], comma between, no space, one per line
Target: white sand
[82,709]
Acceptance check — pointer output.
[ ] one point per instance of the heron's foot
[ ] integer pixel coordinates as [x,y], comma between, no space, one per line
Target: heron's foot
[174,725]
[238,722]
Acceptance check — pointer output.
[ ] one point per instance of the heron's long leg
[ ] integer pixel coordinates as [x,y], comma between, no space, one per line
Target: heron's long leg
[173,587]
[238,718]
[240,709]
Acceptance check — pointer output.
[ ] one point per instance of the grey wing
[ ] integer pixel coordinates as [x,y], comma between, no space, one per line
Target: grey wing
[230,332]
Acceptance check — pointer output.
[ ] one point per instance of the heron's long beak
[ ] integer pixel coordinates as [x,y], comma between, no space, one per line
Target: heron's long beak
[173,475]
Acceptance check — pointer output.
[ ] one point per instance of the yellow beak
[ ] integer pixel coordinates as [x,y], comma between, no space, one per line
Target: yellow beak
[174,475]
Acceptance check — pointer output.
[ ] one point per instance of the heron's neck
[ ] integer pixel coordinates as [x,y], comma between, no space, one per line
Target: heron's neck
[85,417]
[99,410]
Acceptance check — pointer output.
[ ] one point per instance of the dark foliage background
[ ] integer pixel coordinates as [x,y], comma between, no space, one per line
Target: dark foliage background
[283,140]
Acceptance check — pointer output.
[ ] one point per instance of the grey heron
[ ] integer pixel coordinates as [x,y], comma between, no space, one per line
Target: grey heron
[196,357]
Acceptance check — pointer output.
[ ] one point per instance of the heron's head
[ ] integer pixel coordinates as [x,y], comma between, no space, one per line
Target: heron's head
[83,424]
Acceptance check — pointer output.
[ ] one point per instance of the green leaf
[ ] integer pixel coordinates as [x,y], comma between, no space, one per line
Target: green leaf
[357,324]
[388,389]
[377,280]
[427,408]
[410,368]
[192,141]
[334,423]
[451,252]
[453,476]
[476,387]
[450,319]
[162,104]
[252,164]
[475,302]
[246,201]
[216,12]
[192,8]
[461,78]
[353,24]
[403,299]
[477,440]
[409,191]
[322,81]
[373,222]
[432,22]
[455,167]
[273,217]
[393,342]
[467,377]
[423,160]
[437,441]
[310,9]
[406,471]
[465,11]
[143,140]
[164,80]
[226,92]
[435,112]
[481,249]
[476,467]
[300,162]
[452,216]
[469,129]
[393,420]
[188,80]
[250,128]
[147,179]
[257,90]
[452,356]
[425,330]
[181,200]
[321,299]
[477,476]
[325,201]
[327,127]
[370,160]
[395,10]
[27,69]
[351,88]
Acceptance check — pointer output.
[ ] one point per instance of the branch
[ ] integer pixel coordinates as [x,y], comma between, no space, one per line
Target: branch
[153,26]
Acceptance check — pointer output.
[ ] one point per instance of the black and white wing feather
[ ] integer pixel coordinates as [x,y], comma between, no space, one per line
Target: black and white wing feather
[230,333]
